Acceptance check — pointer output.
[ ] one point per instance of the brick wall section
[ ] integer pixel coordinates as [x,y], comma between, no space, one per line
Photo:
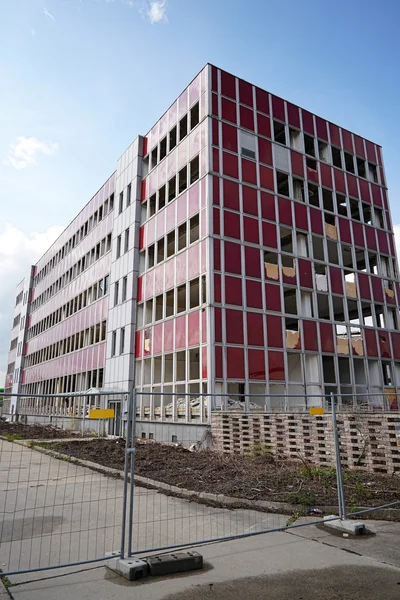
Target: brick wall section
[369,441]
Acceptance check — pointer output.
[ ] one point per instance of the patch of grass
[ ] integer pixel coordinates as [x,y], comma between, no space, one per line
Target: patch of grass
[11,437]
[317,472]
[293,518]
[6,582]
[306,498]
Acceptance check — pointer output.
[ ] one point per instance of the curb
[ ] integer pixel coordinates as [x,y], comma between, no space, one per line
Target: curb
[215,500]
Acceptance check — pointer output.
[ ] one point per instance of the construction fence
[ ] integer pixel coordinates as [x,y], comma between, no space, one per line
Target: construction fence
[134,500]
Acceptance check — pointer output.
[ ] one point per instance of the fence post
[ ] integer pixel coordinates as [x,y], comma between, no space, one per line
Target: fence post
[132,482]
[126,469]
[339,478]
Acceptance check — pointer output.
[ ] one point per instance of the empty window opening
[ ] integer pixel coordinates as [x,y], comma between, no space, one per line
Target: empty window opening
[323,151]
[181,298]
[194,364]
[182,179]
[172,138]
[313,196]
[373,262]
[361,167]
[270,258]
[286,239]
[203,289]
[327,200]
[333,254]
[373,174]
[171,244]
[360,259]
[180,366]
[387,373]
[148,315]
[295,139]
[349,162]
[392,319]
[290,301]
[330,220]
[248,144]
[336,157]
[309,147]
[160,250]
[194,169]
[161,197]
[145,166]
[170,303]
[182,236]
[282,182]
[379,222]
[194,115]
[354,209]
[194,292]
[318,248]
[347,257]
[354,318]
[153,160]
[159,307]
[194,229]
[150,257]
[380,322]
[163,148]
[172,188]
[298,189]
[291,324]
[279,132]
[303,248]
[183,127]
[152,205]
[323,307]
[341,204]
[311,164]
[367,213]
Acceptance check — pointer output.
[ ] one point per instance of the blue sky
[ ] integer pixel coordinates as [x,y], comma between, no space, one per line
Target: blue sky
[81,78]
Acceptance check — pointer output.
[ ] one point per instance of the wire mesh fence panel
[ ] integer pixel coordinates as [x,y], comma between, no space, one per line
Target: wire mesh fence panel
[52,511]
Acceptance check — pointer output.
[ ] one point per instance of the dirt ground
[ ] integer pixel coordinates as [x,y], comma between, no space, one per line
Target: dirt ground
[251,477]
[18,431]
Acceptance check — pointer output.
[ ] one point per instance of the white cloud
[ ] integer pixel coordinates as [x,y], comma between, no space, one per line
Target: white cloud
[156,11]
[48,14]
[24,151]
[17,252]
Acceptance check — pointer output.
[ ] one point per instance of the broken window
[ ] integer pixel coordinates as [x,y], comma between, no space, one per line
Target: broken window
[182,236]
[311,164]
[152,204]
[327,200]
[341,204]
[354,209]
[360,259]
[150,256]
[286,239]
[323,307]
[323,151]
[194,115]
[333,255]
[145,167]
[161,197]
[295,139]
[392,318]
[194,169]
[279,132]
[171,244]
[163,148]
[349,162]
[248,144]
[379,222]
[347,256]
[313,196]
[153,157]
[194,292]
[298,189]
[309,147]
[172,188]
[169,303]
[373,262]
[203,289]
[172,138]
[318,248]
[336,157]
[282,183]
[361,167]
[387,373]
[290,301]
[182,179]
[367,213]
[160,250]
[379,316]
[148,316]
[159,307]
[194,229]
[183,127]
[373,174]
[181,298]
[352,308]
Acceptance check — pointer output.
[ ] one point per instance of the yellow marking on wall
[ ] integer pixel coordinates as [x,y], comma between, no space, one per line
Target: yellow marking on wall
[317,410]
[101,413]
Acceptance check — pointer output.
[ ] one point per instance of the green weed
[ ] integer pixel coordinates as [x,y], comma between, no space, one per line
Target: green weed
[12,437]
